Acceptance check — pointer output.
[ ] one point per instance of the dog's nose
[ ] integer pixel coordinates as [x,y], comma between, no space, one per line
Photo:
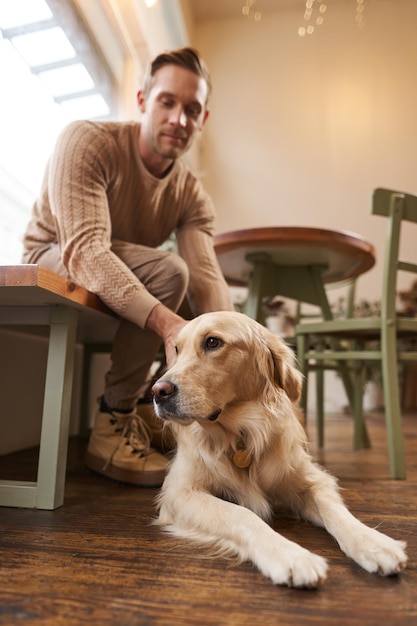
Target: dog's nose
[163,390]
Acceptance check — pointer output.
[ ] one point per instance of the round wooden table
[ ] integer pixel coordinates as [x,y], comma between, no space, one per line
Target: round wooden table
[291,261]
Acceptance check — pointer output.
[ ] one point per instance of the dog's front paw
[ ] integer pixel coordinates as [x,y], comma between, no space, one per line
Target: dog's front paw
[386,557]
[297,568]
[378,553]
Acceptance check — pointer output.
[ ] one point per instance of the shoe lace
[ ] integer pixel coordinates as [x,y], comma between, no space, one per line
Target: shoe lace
[133,431]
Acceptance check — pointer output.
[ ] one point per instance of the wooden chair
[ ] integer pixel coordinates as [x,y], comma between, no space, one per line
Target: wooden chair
[319,367]
[387,329]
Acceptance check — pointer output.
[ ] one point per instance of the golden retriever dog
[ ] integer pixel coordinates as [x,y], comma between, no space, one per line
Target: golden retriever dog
[231,400]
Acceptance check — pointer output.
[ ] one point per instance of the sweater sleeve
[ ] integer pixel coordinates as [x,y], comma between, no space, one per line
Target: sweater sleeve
[82,168]
[208,290]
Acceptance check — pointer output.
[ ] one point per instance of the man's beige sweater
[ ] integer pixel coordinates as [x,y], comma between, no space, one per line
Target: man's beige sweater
[95,190]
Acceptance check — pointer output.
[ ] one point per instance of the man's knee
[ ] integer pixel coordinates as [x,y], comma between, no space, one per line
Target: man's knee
[170,280]
[177,270]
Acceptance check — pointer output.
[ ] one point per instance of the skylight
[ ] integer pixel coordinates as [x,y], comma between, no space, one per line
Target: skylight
[67,79]
[51,72]
[20,12]
[41,47]
[67,69]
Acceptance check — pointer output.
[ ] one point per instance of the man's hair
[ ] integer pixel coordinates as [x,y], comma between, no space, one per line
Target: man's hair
[187,58]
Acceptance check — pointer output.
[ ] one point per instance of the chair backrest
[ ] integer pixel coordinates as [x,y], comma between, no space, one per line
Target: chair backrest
[385,200]
[395,206]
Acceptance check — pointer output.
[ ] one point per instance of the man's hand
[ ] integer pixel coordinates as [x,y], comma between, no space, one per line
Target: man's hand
[167,325]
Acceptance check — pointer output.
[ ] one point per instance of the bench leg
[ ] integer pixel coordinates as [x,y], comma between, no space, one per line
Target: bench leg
[56,409]
[48,491]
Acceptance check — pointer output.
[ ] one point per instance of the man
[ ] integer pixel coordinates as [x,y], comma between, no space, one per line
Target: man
[111,195]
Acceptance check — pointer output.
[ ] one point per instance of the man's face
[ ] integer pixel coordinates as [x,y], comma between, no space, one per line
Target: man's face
[173,111]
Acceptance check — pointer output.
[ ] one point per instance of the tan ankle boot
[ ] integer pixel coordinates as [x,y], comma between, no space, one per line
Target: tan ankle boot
[160,432]
[119,448]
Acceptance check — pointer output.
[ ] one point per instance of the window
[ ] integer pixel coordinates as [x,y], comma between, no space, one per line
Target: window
[51,72]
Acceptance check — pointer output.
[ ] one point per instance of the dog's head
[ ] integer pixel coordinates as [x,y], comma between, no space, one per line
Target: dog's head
[224,359]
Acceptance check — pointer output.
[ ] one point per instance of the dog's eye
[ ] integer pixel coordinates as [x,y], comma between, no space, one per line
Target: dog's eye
[213,343]
[176,350]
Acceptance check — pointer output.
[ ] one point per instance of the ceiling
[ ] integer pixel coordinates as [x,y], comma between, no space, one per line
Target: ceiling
[217,9]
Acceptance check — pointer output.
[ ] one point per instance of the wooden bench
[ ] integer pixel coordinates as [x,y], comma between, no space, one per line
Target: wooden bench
[33,298]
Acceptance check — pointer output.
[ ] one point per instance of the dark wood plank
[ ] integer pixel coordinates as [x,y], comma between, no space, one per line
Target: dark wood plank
[99,560]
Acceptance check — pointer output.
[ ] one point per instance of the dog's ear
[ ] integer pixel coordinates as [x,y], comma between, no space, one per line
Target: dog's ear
[286,375]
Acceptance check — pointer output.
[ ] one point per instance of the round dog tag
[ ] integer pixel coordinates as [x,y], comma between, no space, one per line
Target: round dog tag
[242,458]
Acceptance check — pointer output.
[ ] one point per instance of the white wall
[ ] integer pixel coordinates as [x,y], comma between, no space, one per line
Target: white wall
[302,130]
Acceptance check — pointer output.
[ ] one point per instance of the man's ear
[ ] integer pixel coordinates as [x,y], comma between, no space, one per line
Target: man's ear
[286,375]
[203,120]
[141,101]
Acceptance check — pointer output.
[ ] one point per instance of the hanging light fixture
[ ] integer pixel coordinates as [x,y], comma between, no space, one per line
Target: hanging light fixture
[249,11]
[314,16]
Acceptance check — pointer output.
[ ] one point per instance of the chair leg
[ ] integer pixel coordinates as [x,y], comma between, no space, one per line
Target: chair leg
[320,406]
[345,375]
[392,403]
[303,367]
[360,437]
[320,398]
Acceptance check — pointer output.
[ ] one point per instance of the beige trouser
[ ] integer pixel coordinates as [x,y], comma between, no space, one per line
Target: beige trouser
[165,276]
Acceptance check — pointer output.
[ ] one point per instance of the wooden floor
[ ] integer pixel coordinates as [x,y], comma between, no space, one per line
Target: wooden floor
[98,560]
